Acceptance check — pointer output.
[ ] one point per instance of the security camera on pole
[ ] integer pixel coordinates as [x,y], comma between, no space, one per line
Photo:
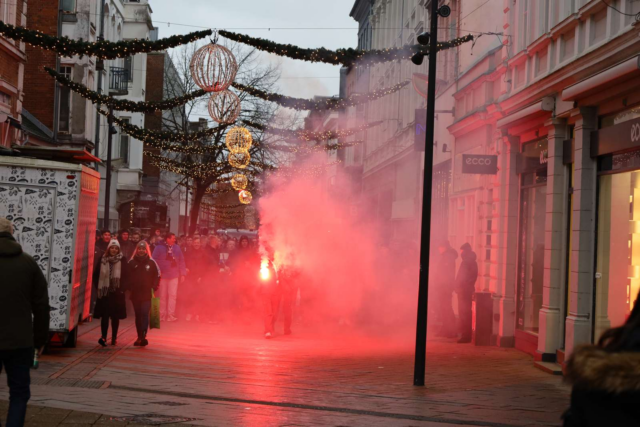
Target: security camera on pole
[424,39]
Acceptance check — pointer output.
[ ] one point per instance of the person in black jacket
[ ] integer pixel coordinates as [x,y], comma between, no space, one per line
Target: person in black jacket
[444,279]
[143,275]
[111,303]
[24,319]
[465,288]
[196,260]
[126,246]
[98,252]
[606,378]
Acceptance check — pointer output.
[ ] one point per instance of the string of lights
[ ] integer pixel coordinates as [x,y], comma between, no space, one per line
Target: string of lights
[123,104]
[320,103]
[307,135]
[302,149]
[309,171]
[101,49]
[346,57]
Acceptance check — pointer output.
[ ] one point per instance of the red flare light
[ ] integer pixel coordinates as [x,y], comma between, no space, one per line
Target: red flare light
[264,271]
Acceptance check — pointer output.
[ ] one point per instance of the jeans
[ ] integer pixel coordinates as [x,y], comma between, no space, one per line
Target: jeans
[464,310]
[168,296]
[17,363]
[142,309]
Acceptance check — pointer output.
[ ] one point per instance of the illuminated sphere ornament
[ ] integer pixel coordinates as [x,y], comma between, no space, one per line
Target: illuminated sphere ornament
[245,197]
[213,68]
[238,139]
[224,107]
[239,181]
[239,160]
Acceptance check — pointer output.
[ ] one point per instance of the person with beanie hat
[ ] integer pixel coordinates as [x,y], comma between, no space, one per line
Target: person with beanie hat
[111,303]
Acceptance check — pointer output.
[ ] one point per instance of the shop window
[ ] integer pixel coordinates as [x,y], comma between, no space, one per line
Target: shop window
[618,265]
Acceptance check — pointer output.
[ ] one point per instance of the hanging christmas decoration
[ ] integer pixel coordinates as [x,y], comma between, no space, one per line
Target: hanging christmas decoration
[224,107]
[123,104]
[321,103]
[239,159]
[213,68]
[238,139]
[245,197]
[101,49]
[239,181]
[346,57]
[307,135]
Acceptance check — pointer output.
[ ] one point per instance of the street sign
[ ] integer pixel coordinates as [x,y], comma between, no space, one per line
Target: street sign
[420,129]
[479,164]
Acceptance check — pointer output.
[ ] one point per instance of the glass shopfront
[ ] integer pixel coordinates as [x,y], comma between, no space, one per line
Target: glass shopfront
[533,203]
[618,244]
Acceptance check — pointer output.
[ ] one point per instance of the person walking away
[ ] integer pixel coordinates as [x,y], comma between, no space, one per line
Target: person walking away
[24,320]
[126,246]
[170,260]
[196,260]
[99,251]
[143,276]
[606,378]
[465,288]
[444,280]
[111,302]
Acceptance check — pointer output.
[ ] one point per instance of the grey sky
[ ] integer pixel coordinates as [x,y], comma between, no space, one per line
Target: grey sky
[250,16]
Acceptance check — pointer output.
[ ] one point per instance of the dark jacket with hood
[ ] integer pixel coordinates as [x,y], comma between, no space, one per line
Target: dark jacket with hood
[606,387]
[143,275]
[468,272]
[445,271]
[24,298]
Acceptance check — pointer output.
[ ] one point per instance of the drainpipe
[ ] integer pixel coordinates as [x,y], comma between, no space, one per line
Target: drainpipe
[56,92]
[96,146]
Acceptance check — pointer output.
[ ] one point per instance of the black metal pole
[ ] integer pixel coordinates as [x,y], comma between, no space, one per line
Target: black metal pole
[107,192]
[425,238]
[96,143]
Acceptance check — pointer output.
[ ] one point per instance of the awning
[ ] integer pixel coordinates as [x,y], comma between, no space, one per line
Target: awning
[617,74]
[62,154]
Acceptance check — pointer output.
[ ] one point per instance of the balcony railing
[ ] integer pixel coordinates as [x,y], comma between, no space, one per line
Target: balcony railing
[119,84]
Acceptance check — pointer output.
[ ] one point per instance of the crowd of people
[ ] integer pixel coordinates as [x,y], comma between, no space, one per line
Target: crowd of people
[199,278]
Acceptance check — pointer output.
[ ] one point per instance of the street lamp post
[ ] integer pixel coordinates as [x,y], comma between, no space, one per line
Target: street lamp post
[425,238]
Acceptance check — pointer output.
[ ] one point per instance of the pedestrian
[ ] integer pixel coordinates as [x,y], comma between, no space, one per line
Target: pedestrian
[444,281]
[143,276]
[213,279]
[111,303]
[173,269]
[465,288]
[606,378]
[270,291]
[196,260]
[99,250]
[24,320]
[135,238]
[126,246]
[288,277]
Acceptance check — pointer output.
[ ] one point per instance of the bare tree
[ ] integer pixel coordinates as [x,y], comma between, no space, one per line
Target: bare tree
[209,165]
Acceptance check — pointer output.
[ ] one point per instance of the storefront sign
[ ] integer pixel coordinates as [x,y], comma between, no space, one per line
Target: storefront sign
[479,164]
[420,130]
[621,137]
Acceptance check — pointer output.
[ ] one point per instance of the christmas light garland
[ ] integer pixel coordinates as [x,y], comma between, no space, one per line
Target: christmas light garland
[321,103]
[123,104]
[307,135]
[315,148]
[102,49]
[346,57]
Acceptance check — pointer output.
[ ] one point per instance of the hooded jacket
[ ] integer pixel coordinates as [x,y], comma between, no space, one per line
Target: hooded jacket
[468,272]
[24,298]
[606,388]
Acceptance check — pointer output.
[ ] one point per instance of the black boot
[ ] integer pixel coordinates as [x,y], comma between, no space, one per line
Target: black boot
[144,341]
[102,341]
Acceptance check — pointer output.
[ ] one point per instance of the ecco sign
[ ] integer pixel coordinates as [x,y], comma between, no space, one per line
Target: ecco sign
[479,164]
[635,132]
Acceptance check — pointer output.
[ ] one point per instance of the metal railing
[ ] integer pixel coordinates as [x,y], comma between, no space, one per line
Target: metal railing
[119,80]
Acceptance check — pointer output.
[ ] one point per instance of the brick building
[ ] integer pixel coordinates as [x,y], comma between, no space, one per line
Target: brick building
[12,71]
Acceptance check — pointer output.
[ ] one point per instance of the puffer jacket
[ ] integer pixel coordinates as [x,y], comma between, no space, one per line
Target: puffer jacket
[606,388]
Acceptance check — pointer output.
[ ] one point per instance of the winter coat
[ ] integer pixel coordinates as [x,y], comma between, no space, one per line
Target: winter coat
[606,388]
[24,298]
[197,262]
[114,304]
[171,267]
[143,275]
[468,272]
[127,247]
[98,253]
[445,271]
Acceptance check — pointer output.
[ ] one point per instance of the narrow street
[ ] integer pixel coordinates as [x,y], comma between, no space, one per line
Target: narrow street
[213,375]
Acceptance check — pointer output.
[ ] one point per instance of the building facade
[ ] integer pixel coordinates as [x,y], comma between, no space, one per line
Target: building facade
[12,66]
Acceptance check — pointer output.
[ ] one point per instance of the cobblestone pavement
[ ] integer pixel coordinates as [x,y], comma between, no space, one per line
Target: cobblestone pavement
[201,374]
